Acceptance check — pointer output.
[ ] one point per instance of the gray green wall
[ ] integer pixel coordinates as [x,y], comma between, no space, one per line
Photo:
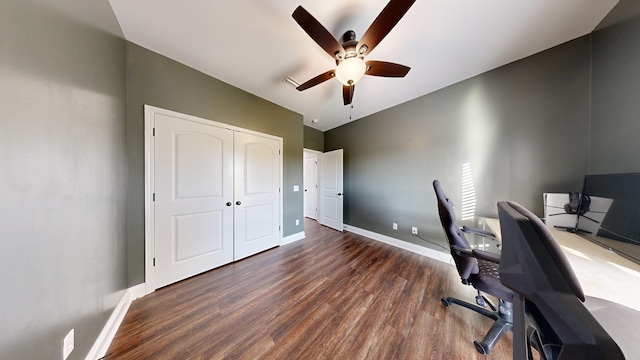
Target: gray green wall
[313,139]
[159,81]
[615,99]
[523,128]
[63,174]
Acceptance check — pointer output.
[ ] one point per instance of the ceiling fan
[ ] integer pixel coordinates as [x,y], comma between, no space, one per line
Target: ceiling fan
[349,54]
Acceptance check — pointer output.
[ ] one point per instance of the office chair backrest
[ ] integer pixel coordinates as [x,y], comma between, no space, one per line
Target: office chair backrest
[533,265]
[524,227]
[465,265]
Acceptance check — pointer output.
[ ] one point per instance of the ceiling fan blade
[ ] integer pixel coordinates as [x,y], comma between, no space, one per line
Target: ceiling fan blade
[347,93]
[317,80]
[388,18]
[386,69]
[318,33]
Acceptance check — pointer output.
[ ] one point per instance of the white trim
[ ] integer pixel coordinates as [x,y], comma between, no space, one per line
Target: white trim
[292,238]
[405,245]
[311,151]
[316,154]
[281,153]
[149,186]
[102,343]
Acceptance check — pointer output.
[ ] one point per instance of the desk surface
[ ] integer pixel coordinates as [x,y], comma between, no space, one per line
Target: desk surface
[602,273]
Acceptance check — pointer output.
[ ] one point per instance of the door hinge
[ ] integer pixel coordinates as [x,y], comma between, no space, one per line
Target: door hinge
[154,196]
[279,228]
[154,131]
[279,153]
[279,190]
[154,261]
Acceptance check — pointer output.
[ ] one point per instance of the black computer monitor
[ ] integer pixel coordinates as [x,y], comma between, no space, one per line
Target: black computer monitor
[614,211]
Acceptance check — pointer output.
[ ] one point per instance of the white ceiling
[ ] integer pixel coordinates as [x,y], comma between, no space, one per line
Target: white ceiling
[255,44]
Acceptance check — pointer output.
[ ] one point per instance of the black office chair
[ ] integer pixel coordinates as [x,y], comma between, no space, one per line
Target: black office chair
[476,268]
[548,311]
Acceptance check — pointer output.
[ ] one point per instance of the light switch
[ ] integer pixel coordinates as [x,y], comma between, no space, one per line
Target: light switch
[296,188]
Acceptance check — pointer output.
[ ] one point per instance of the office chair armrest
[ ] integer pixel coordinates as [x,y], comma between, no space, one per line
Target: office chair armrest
[478,254]
[476,231]
[485,255]
[462,251]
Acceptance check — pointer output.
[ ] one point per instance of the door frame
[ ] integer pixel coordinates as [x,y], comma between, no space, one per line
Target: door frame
[317,154]
[149,186]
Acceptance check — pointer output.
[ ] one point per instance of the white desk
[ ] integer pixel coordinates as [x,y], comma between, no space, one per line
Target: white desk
[602,273]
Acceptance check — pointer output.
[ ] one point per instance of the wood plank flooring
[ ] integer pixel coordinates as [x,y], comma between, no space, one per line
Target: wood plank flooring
[330,296]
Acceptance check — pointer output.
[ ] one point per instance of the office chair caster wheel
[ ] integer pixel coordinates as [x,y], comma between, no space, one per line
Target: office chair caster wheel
[482,348]
[480,301]
[446,302]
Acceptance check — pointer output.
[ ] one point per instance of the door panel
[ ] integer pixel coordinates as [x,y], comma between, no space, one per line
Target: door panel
[257,194]
[311,187]
[192,230]
[331,190]
[193,182]
[258,168]
[191,178]
[257,216]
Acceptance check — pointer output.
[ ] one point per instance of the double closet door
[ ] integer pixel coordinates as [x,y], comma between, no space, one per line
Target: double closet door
[217,195]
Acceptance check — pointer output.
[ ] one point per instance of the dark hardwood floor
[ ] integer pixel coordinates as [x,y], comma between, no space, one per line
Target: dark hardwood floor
[330,296]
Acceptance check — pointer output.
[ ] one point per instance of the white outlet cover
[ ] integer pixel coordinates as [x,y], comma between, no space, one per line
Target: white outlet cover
[395,226]
[296,188]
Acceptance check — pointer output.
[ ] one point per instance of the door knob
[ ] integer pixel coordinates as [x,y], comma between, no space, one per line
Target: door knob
[229,203]
[238,202]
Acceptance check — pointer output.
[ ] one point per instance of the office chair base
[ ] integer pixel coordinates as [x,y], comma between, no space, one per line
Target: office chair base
[494,334]
[481,348]
[503,318]
[482,300]
[448,301]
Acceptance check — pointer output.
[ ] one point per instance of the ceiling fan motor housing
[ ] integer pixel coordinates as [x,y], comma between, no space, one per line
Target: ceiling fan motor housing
[349,43]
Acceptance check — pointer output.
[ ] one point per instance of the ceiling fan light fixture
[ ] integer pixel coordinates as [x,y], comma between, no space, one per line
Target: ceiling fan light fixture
[291,82]
[350,70]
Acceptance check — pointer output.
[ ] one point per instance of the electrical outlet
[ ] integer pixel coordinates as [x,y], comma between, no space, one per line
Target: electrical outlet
[297,222]
[414,230]
[395,226]
[68,344]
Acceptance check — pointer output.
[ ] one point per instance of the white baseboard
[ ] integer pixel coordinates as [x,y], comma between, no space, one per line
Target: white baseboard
[405,245]
[292,238]
[101,345]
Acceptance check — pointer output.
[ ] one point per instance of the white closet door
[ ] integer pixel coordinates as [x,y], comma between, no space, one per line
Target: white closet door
[257,194]
[331,190]
[194,192]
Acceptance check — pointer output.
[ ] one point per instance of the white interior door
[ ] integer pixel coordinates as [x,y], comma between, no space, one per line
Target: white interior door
[193,180]
[331,190]
[311,185]
[257,194]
